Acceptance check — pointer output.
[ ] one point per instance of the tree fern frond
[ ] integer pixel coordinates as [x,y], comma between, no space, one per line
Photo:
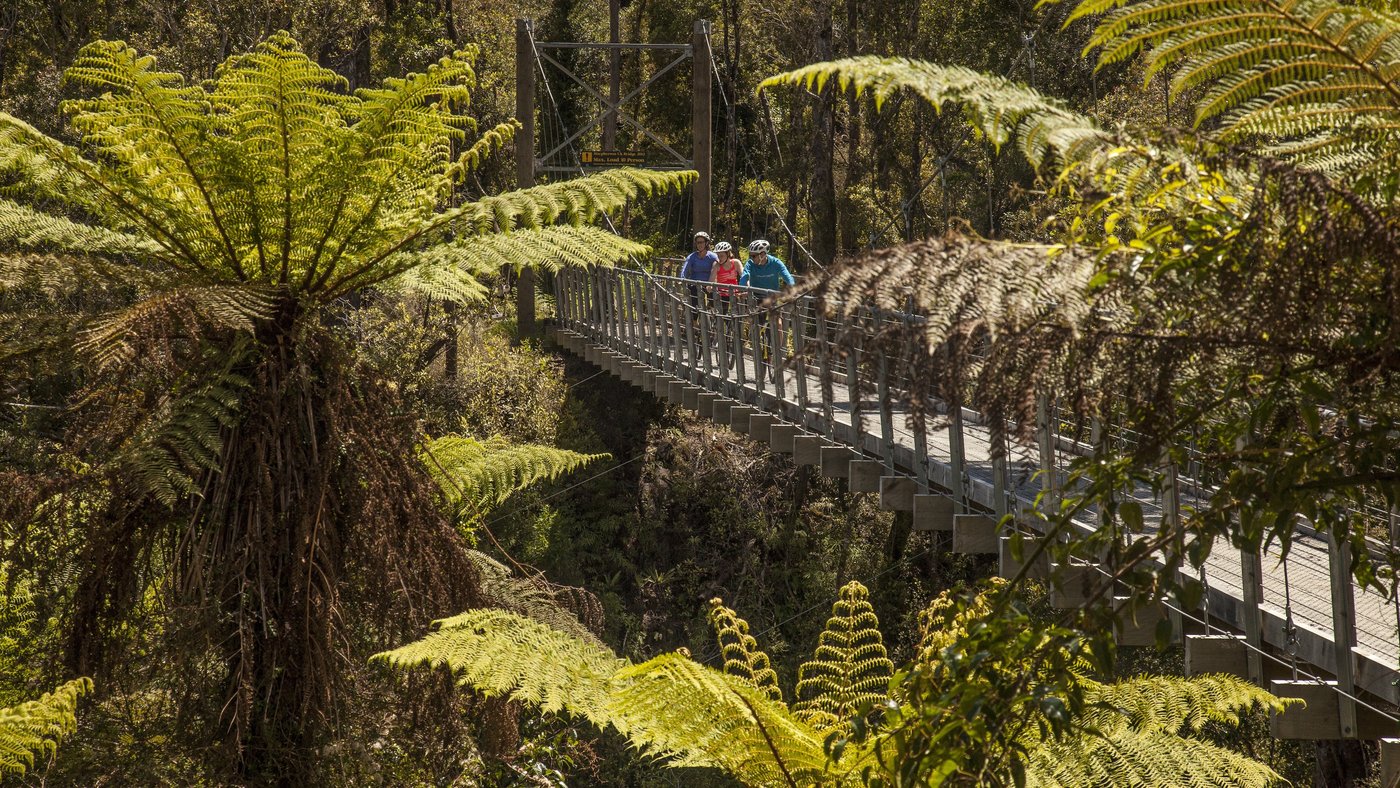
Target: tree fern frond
[280,132]
[1137,758]
[575,201]
[849,668]
[997,108]
[672,705]
[157,129]
[1172,704]
[116,339]
[1262,62]
[29,170]
[184,434]
[566,608]
[501,653]
[476,476]
[453,271]
[56,274]
[740,652]
[38,726]
[25,228]
[427,274]
[490,142]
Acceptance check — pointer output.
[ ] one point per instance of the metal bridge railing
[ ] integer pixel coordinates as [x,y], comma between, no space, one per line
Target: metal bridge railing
[738,342]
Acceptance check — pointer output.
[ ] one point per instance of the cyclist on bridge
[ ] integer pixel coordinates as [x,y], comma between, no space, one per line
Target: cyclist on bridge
[765,271]
[699,266]
[727,272]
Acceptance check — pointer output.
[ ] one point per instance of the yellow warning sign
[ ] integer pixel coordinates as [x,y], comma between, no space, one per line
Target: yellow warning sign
[612,158]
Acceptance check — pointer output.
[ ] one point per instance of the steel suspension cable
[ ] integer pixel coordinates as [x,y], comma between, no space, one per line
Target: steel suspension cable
[748,161]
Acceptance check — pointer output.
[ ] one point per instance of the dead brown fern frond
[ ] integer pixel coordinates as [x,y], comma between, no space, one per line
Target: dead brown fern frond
[964,318]
[149,328]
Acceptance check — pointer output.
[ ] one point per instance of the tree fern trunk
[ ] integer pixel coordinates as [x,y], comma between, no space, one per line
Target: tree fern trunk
[318,507]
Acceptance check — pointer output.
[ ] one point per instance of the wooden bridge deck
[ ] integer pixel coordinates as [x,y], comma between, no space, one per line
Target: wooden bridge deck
[650,320]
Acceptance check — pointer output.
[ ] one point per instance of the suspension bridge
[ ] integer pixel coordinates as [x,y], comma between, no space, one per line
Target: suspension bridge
[1296,624]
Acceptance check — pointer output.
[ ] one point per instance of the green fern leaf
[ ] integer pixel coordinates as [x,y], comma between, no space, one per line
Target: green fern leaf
[1282,69]
[669,706]
[740,652]
[476,476]
[849,668]
[996,108]
[501,653]
[39,725]
[674,706]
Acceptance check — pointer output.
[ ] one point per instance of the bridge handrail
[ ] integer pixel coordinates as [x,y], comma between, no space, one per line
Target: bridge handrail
[788,297]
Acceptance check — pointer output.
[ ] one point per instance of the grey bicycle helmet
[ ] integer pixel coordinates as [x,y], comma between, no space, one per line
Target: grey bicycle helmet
[702,234]
[723,246]
[758,246]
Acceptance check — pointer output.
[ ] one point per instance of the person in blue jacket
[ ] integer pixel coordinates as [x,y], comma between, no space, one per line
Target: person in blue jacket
[766,272]
[699,266]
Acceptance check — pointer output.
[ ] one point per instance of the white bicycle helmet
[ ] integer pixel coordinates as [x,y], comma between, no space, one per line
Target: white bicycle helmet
[723,246]
[757,246]
[701,234]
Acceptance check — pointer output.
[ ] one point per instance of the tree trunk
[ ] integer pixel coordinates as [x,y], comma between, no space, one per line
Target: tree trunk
[823,188]
[1340,764]
[855,171]
[449,22]
[315,509]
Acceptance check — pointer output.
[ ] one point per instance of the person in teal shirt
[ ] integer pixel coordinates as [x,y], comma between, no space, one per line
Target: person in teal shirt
[765,271]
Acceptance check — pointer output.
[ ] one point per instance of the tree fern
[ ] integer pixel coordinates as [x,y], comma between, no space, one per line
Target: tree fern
[1318,76]
[271,175]
[740,652]
[669,706]
[1137,730]
[37,727]
[478,475]
[849,668]
[236,214]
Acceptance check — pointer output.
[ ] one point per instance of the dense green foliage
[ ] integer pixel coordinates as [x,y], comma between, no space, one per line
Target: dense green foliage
[1136,732]
[263,412]
[37,726]
[274,480]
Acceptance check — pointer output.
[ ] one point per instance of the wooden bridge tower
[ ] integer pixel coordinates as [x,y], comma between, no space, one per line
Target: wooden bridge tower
[567,157]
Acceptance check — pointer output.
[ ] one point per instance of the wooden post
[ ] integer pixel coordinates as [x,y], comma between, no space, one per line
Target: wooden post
[853,384]
[614,73]
[525,161]
[1390,763]
[1045,435]
[886,413]
[957,458]
[799,346]
[824,367]
[1343,627]
[1000,485]
[700,122]
[1252,583]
